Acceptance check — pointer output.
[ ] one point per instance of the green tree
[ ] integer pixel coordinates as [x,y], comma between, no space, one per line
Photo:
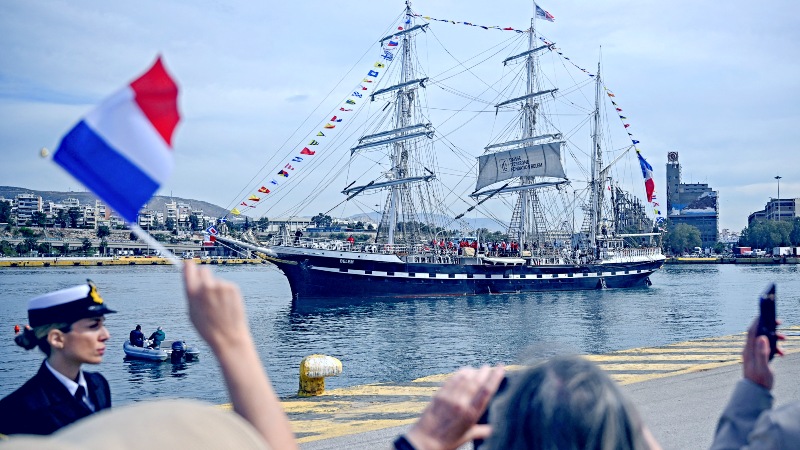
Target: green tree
[263,224]
[719,247]
[6,248]
[170,224]
[27,244]
[767,234]
[22,248]
[74,215]
[45,248]
[39,218]
[322,220]
[794,236]
[61,218]
[27,232]
[133,236]
[103,246]
[103,231]
[5,212]
[682,238]
[194,222]
[86,245]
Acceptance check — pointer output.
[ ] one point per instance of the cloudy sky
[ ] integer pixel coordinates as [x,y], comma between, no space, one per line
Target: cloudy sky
[715,81]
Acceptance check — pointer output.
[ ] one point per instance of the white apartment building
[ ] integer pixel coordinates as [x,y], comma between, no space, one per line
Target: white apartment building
[26,205]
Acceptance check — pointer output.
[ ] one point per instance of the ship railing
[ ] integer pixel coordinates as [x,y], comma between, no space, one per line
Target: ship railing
[631,253]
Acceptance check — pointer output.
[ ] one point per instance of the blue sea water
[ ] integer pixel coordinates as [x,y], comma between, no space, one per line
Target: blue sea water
[400,340]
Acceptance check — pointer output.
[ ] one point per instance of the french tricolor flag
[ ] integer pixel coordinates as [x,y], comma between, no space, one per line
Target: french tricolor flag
[647,173]
[122,150]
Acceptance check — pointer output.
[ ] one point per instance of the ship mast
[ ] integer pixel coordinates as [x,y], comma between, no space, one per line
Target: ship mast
[529,124]
[597,190]
[399,153]
[402,139]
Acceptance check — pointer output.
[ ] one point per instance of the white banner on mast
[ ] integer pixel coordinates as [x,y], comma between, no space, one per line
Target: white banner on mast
[543,160]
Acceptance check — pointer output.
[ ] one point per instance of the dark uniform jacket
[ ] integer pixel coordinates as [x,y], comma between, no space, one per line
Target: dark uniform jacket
[137,338]
[43,405]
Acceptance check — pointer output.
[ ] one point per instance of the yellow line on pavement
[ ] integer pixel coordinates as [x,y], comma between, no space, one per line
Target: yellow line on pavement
[381,389]
[358,409]
[315,430]
[656,357]
[730,350]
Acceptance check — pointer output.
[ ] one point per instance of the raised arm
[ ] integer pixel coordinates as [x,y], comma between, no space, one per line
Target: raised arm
[750,397]
[450,419]
[217,312]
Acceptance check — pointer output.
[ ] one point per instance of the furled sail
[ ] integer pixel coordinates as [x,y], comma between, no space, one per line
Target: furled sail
[542,160]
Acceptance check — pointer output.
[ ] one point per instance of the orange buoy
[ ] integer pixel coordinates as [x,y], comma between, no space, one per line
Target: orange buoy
[16,329]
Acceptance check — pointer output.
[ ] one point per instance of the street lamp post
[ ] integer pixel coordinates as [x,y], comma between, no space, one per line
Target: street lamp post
[778,177]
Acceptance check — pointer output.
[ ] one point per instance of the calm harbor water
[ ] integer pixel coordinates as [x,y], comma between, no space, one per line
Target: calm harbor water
[391,340]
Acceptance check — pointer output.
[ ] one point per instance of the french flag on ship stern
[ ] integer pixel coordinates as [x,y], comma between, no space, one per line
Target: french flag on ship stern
[122,149]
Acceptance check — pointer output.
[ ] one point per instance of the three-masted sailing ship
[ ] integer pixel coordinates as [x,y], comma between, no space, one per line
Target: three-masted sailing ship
[613,244]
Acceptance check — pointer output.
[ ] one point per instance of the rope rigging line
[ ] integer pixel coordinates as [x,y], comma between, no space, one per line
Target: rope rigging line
[294,133]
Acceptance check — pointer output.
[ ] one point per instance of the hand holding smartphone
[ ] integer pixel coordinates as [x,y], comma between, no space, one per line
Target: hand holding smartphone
[767,320]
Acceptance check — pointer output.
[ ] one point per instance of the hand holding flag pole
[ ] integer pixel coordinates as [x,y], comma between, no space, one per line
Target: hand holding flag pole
[122,149]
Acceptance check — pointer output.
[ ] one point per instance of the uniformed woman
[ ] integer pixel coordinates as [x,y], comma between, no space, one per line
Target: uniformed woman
[68,326]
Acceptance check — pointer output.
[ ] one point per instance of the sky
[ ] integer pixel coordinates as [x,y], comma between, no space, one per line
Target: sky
[718,82]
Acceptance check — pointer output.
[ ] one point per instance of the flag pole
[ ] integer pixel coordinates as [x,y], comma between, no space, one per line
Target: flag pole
[145,236]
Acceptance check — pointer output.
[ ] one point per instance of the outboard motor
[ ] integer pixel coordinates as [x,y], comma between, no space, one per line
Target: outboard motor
[178,350]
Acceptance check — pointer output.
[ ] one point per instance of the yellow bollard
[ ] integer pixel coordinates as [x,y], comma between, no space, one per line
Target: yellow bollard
[313,370]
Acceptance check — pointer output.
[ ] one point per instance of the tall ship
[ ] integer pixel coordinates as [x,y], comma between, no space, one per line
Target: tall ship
[583,232]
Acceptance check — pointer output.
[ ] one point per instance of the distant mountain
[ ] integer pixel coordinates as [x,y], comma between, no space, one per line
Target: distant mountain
[157,204]
[489,224]
[86,198]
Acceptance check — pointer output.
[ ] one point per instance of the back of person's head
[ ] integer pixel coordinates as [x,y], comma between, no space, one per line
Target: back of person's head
[138,327]
[565,403]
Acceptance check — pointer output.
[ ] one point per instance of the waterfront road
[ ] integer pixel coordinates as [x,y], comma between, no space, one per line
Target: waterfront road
[680,390]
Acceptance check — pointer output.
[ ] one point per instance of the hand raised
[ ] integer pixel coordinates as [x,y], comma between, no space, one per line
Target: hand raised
[215,307]
[450,419]
[755,358]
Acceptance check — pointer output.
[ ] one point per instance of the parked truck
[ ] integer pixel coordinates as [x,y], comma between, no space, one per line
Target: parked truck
[742,251]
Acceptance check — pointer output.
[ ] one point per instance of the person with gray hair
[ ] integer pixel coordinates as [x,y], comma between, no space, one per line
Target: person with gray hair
[157,338]
[566,403]
[563,403]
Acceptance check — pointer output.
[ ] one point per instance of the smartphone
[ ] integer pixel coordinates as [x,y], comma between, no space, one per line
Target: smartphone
[477,443]
[767,321]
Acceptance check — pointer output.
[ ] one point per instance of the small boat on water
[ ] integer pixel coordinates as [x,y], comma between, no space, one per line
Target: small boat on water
[176,351]
[150,354]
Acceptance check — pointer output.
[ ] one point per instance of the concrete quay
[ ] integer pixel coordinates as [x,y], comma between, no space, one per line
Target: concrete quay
[115,261]
[679,389]
[730,260]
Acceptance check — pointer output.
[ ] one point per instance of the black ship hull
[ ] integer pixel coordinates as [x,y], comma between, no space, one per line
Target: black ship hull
[353,275]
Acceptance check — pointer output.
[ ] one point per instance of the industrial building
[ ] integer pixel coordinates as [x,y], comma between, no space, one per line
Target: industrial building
[694,204]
